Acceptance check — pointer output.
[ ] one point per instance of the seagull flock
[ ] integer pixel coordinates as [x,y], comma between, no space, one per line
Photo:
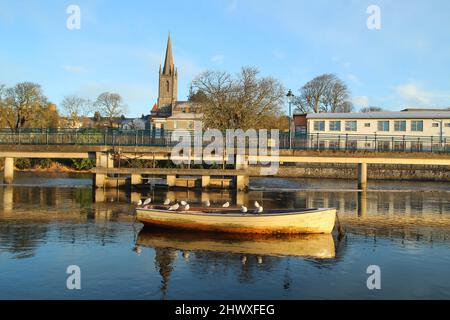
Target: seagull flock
[185,206]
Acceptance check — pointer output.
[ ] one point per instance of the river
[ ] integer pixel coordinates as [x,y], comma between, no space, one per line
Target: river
[51,221]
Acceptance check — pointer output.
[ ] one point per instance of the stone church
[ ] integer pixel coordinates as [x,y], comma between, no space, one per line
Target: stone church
[168,113]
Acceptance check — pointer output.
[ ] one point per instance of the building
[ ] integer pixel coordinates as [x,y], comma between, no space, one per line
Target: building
[404,130]
[168,113]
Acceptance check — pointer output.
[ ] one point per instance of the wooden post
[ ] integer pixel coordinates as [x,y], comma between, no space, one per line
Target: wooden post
[241,182]
[362,176]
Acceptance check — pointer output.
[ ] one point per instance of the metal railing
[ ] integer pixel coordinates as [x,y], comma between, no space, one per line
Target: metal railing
[163,138]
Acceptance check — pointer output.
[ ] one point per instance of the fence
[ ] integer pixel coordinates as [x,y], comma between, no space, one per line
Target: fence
[163,138]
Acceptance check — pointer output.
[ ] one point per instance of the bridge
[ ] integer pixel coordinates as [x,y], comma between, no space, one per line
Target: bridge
[109,145]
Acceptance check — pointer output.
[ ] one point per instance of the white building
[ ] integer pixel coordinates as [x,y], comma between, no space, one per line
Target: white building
[404,130]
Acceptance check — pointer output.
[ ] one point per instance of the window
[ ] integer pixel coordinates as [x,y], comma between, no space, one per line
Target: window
[352,144]
[319,125]
[417,125]
[400,125]
[334,145]
[383,125]
[383,145]
[447,125]
[416,146]
[399,145]
[300,130]
[167,85]
[367,124]
[335,126]
[350,126]
[435,125]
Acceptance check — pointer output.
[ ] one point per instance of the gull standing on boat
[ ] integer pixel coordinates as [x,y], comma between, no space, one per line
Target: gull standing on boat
[186,207]
[147,201]
[259,210]
[167,202]
[174,207]
[257,205]
[244,209]
[226,205]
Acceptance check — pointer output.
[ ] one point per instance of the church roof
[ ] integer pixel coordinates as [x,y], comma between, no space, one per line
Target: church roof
[168,62]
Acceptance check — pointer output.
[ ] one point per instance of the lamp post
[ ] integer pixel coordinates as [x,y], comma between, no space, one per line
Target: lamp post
[290,96]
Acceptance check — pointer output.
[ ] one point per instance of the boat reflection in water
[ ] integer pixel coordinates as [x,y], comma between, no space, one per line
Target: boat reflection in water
[319,246]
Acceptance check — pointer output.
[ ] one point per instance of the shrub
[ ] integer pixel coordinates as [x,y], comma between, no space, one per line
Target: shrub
[23,163]
[83,164]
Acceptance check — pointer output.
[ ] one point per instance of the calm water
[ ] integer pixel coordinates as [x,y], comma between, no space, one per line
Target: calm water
[48,222]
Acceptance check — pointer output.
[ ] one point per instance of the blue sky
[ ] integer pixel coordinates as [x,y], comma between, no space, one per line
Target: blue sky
[121,44]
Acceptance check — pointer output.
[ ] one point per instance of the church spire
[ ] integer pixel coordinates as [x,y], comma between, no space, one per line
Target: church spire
[168,62]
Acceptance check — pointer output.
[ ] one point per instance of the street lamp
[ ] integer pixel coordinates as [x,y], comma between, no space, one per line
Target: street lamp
[290,97]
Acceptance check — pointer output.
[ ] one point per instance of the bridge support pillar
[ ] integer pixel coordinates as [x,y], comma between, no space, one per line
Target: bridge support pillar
[9,171]
[205,181]
[362,204]
[136,179]
[241,182]
[105,160]
[171,180]
[241,162]
[362,176]
[99,180]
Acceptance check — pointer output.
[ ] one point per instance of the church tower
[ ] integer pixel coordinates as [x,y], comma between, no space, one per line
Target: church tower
[168,80]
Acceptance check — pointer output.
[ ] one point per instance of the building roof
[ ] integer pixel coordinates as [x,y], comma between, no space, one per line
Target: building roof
[382,115]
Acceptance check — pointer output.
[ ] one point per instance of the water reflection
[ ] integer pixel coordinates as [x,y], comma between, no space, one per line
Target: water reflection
[51,227]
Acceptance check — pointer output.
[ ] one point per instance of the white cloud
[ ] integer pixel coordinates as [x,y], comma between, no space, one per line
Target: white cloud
[217,59]
[414,94]
[361,101]
[74,69]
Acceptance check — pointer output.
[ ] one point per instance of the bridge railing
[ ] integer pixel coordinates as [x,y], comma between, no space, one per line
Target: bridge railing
[163,138]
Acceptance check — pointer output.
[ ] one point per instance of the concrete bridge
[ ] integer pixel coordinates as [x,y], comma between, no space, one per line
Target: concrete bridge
[105,155]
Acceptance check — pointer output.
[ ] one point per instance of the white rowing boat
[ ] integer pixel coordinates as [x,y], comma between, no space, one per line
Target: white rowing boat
[279,221]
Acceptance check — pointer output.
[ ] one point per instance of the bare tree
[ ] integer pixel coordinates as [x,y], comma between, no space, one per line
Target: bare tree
[76,107]
[237,102]
[110,106]
[325,93]
[21,103]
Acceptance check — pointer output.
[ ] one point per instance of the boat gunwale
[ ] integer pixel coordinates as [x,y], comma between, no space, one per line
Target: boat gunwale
[236,214]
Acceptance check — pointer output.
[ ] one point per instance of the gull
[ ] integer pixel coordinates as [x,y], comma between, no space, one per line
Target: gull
[207,203]
[244,209]
[257,205]
[226,205]
[167,202]
[183,203]
[174,207]
[186,207]
[147,201]
[139,203]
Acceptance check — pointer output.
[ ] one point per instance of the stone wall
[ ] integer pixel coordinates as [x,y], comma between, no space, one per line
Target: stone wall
[375,171]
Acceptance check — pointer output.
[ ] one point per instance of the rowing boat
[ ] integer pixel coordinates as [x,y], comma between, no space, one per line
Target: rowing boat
[231,220]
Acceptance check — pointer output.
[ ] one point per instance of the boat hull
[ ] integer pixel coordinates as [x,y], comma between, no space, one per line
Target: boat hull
[314,221]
